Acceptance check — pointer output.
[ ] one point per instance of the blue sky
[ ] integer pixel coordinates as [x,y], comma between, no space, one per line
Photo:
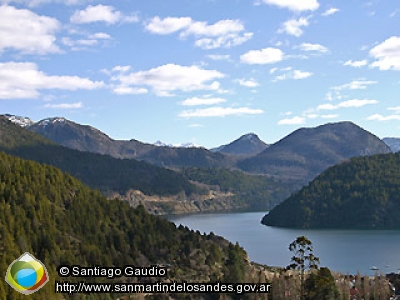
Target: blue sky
[202,71]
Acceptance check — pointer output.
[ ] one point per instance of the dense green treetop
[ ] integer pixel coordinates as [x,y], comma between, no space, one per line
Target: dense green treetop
[362,193]
[61,221]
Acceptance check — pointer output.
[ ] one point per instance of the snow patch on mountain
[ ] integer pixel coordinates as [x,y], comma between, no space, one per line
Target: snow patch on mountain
[181,145]
[21,121]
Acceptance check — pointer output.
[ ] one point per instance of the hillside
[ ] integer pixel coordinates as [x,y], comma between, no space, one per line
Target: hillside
[98,171]
[248,144]
[252,192]
[87,138]
[90,139]
[362,193]
[162,191]
[62,222]
[307,152]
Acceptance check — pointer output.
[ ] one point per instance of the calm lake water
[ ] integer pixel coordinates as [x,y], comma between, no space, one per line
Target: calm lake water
[347,251]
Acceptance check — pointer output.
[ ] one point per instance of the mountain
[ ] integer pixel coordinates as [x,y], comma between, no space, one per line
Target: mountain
[87,138]
[182,145]
[101,172]
[393,143]
[62,222]
[250,192]
[187,157]
[21,121]
[161,190]
[248,144]
[307,152]
[362,193]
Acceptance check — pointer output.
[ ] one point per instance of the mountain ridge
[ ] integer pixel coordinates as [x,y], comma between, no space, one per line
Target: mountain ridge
[248,144]
[306,152]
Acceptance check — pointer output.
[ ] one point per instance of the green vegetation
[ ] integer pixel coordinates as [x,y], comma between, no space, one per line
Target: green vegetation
[252,191]
[303,260]
[101,172]
[362,193]
[109,174]
[61,221]
[321,286]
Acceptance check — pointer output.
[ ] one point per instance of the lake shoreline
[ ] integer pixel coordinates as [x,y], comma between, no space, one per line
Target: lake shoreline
[346,251]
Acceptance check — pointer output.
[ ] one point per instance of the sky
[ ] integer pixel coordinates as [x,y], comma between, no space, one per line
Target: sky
[202,71]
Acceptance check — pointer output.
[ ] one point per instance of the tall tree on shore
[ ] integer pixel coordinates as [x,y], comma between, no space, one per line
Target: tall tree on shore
[303,259]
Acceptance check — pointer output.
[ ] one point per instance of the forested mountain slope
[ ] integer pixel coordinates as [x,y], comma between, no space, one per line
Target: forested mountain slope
[362,193]
[101,172]
[62,222]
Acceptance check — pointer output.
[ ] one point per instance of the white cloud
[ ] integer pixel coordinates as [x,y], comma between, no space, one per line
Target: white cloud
[378,117]
[23,80]
[168,25]
[262,57]
[65,105]
[316,116]
[293,74]
[313,47]
[329,116]
[126,90]
[219,57]
[394,13]
[169,78]
[387,54]
[101,13]
[356,63]
[25,31]
[251,83]
[330,11]
[292,121]
[273,70]
[222,34]
[219,112]
[32,3]
[86,42]
[202,101]
[347,104]
[294,27]
[297,74]
[225,41]
[220,28]
[295,5]
[100,36]
[395,108]
[196,125]
[78,44]
[121,68]
[354,85]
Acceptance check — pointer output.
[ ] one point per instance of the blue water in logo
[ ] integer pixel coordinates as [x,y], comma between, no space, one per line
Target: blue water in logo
[26,278]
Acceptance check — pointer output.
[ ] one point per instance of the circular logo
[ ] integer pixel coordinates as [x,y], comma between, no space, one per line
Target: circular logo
[27,274]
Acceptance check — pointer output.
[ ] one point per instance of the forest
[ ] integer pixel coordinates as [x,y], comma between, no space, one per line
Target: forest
[62,222]
[361,193]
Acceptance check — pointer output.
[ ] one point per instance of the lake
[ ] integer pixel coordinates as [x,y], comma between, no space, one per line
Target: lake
[347,251]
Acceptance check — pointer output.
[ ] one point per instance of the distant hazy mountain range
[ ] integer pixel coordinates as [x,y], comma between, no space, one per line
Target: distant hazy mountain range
[393,143]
